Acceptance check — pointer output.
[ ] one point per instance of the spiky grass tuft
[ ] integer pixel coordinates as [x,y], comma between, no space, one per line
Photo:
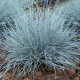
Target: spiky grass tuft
[8,10]
[38,38]
[71,13]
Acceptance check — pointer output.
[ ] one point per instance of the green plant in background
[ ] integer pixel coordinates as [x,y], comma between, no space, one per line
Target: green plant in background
[38,38]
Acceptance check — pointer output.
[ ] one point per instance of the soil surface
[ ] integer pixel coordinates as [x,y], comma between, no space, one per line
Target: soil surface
[48,74]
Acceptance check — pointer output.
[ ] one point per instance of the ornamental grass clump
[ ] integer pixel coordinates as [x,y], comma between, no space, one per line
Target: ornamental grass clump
[71,12]
[38,38]
[8,10]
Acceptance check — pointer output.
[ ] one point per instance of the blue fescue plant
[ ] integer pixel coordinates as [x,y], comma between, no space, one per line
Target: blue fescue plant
[71,12]
[10,8]
[38,38]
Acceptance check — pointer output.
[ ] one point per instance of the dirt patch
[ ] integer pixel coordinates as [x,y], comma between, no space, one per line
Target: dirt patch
[68,74]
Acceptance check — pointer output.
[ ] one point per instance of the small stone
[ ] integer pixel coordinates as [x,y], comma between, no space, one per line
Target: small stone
[26,79]
[71,71]
[60,71]
[38,74]
[7,75]
[77,78]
